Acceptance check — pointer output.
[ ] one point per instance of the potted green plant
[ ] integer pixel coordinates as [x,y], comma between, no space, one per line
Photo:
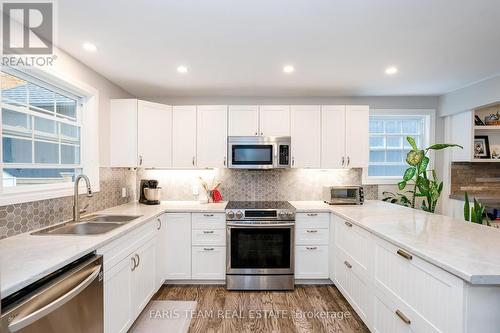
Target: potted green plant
[423,182]
[476,213]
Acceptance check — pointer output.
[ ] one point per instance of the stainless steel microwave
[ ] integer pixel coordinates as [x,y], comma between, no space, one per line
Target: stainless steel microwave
[343,195]
[258,152]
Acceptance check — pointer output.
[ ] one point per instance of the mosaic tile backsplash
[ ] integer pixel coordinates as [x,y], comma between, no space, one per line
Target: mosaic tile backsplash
[19,218]
[285,184]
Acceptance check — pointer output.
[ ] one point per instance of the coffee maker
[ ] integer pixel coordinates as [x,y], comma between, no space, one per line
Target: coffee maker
[150,192]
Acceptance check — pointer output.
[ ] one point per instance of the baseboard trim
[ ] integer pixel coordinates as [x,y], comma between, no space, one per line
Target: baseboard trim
[313,282]
[223,282]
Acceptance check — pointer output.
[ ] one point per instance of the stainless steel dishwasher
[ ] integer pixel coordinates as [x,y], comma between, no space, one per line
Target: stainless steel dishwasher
[68,300]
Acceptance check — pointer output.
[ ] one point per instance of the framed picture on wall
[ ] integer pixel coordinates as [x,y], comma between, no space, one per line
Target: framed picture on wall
[481,146]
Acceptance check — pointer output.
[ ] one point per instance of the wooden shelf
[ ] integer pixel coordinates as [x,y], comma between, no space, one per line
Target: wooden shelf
[486,160]
[488,128]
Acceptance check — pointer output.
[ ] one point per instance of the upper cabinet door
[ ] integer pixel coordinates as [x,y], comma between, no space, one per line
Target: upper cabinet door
[275,120]
[212,136]
[154,135]
[306,136]
[123,133]
[184,136]
[243,120]
[357,136]
[333,136]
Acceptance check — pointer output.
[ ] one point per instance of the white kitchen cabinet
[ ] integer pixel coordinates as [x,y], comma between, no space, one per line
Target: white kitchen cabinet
[140,134]
[209,262]
[118,297]
[154,135]
[243,120]
[306,136]
[275,120]
[311,262]
[344,136]
[431,298]
[357,136]
[161,250]
[211,136]
[333,136]
[355,289]
[184,136]
[144,276]
[123,133]
[178,246]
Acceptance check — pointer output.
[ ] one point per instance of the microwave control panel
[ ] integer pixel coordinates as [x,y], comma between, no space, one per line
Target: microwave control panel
[284,155]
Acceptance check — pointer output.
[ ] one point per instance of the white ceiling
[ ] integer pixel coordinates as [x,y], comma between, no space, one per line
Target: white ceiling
[239,47]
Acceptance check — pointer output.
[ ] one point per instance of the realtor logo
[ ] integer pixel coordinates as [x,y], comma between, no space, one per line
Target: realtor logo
[28,27]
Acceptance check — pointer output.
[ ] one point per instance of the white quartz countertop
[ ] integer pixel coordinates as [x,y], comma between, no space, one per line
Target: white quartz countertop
[25,258]
[469,251]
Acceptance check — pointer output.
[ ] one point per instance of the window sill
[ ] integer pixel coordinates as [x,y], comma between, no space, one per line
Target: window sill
[381,181]
[17,196]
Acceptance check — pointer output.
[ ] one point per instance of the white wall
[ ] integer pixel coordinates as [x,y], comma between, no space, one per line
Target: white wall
[68,66]
[479,94]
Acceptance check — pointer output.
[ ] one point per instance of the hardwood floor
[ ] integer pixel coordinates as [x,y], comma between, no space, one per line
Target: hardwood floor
[306,309]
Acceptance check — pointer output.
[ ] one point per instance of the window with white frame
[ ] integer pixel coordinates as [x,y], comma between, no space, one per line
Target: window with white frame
[388,144]
[40,132]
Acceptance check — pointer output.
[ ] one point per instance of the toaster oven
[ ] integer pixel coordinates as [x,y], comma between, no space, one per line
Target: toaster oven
[343,195]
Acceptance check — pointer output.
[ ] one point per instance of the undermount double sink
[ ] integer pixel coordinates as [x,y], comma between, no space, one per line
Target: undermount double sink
[90,225]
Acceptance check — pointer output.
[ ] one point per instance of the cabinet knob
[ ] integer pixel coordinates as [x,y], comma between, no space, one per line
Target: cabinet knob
[140,159]
[261,133]
[349,224]
[193,161]
[293,161]
[347,264]
[224,160]
[256,133]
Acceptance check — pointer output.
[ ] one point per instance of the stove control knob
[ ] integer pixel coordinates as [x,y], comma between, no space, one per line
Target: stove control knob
[230,214]
[239,214]
[289,214]
[282,214]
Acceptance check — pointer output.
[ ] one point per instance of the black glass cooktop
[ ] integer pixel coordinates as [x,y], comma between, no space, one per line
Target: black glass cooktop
[259,205]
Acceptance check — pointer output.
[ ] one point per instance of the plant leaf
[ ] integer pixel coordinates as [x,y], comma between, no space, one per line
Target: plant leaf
[412,142]
[440,146]
[402,185]
[466,208]
[409,173]
[423,165]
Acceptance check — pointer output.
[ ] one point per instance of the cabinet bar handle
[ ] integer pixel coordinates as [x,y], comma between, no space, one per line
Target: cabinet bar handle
[193,160]
[224,160]
[208,249]
[312,231]
[312,248]
[312,214]
[349,224]
[347,264]
[138,259]
[404,254]
[404,318]
[159,224]
[208,231]
[348,160]
[208,215]
[343,161]
[140,159]
[133,264]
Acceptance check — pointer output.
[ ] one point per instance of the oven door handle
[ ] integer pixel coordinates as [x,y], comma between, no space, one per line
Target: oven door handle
[21,323]
[259,225]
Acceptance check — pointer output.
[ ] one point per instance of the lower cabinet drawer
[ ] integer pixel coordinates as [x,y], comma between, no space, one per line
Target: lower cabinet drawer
[387,318]
[208,263]
[355,289]
[311,236]
[427,292]
[202,237]
[311,262]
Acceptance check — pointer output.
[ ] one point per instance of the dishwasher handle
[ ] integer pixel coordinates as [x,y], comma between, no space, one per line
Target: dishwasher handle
[21,323]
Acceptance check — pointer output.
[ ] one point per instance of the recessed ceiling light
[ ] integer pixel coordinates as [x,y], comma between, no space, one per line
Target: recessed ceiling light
[89,47]
[182,69]
[288,69]
[391,70]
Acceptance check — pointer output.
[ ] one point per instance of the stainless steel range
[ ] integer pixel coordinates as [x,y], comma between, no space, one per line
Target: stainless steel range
[260,245]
